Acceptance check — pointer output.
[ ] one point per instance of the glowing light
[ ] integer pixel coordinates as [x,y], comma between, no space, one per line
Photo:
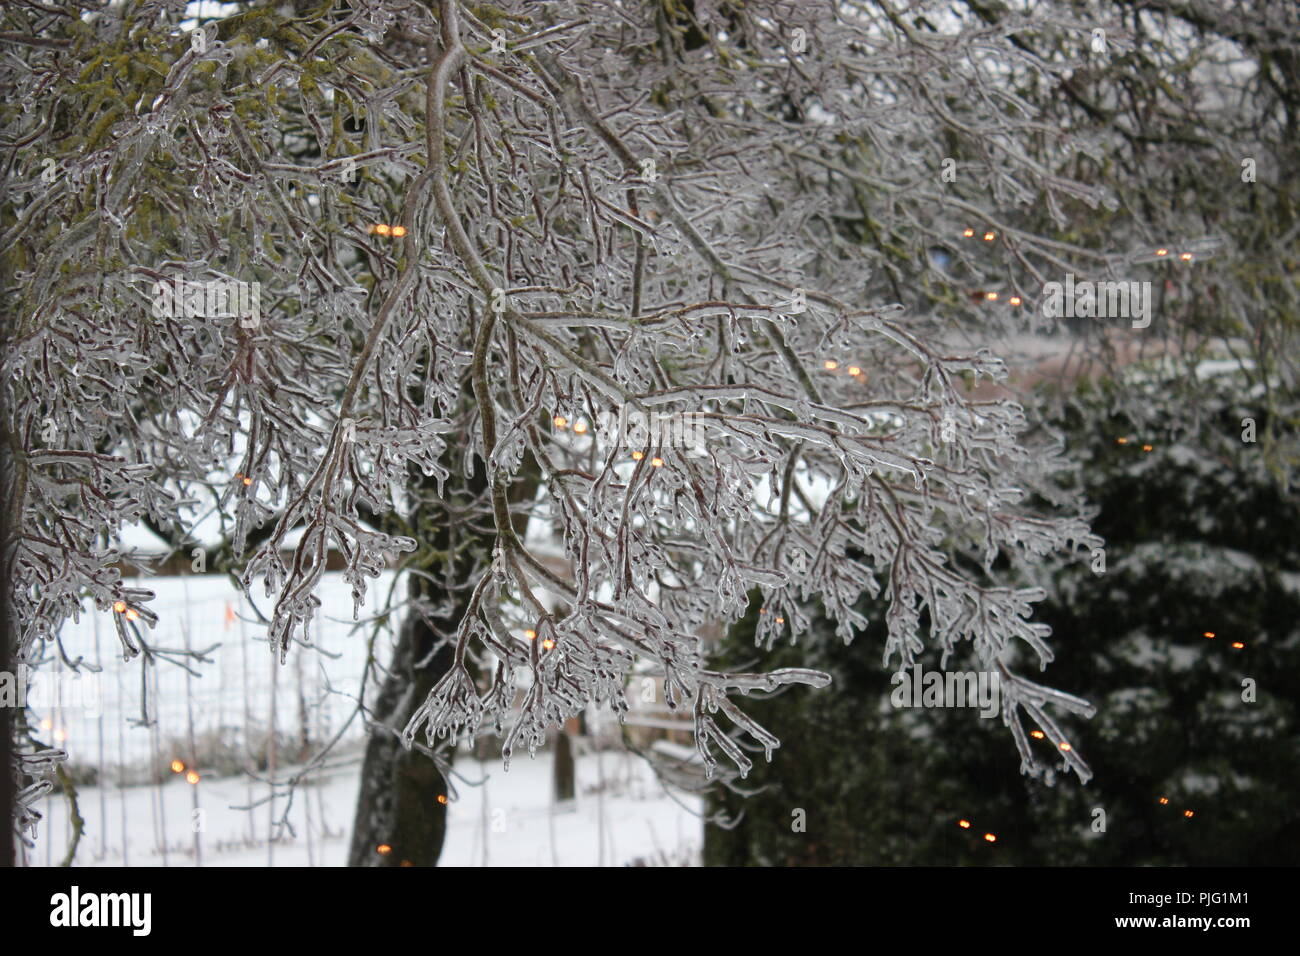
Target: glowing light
[854,370]
[192,777]
[1147,447]
[60,735]
[1186,257]
[991,296]
[177,766]
[988,237]
[637,456]
[407,863]
[560,421]
[119,606]
[992,838]
[530,634]
[131,614]
[1036,734]
[1065,746]
[548,644]
[1121,441]
[442,798]
[657,462]
[830,365]
[968,232]
[762,610]
[248,481]
[580,428]
[1237,645]
[1209,634]
[46,724]
[964,824]
[780,620]
[399,232]
[1015,300]
[1163,801]
[1162,252]
[382,229]
[383,849]
[1189,814]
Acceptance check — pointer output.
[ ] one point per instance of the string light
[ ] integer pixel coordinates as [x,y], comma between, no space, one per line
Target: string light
[780,620]
[381,229]
[177,766]
[657,462]
[991,296]
[1146,447]
[548,644]
[1015,300]
[1189,814]
[1121,441]
[46,724]
[992,838]
[442,798]
[1162,252]
[192,777]
[637,456]
[1186,257]
[407,863]
[964,824]
[131,614]
[854,371]
[1209,634]
[1164,801]
[560,421]
[1065,746]
[383,849]
[399,232]
[1036,734]
[119,606]
[580,428]
[1237,645]
[530,634]
[248,481]
[60,735]
[830,365]
[968,232]
[988,237]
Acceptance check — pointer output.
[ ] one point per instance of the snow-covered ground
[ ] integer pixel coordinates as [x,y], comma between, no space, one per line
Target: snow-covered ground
[621,816]
[227,710]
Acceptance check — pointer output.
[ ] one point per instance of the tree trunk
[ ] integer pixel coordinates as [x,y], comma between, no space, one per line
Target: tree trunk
[398,807]
[565,770]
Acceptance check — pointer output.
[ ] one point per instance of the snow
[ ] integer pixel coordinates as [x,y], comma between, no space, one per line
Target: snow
[621,816]
[507,821]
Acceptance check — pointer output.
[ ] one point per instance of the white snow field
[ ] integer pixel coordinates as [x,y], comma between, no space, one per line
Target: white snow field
[139,813]
[509,820]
